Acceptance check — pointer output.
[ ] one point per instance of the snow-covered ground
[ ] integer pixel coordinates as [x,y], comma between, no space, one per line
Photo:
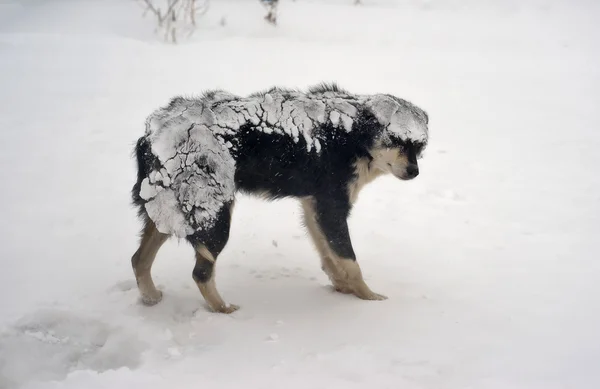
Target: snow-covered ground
[489,258]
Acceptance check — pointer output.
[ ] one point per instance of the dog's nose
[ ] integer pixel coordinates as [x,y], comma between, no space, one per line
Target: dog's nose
[412,171]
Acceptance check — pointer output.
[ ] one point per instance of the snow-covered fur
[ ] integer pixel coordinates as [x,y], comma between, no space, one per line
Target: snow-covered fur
[322,145]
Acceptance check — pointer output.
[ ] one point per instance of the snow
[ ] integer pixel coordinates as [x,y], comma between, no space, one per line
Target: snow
[489,258]
[184,139]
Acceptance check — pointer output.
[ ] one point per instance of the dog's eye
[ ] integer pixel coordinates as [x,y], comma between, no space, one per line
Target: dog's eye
[418,149]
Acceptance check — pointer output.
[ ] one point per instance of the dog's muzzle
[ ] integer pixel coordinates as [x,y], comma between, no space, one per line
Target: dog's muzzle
[409,173]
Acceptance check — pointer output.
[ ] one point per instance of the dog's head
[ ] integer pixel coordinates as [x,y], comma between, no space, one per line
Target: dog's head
[399,159]
[404,136]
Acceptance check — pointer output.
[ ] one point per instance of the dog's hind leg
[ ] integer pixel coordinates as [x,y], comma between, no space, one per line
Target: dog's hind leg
[208,244]
[142,262]
[327,222]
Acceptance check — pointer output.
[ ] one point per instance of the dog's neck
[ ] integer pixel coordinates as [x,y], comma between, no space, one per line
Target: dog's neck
[365,172]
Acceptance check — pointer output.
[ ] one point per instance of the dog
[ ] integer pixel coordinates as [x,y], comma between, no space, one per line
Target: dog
[320,146]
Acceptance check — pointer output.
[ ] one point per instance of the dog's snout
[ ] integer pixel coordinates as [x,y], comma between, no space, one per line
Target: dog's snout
[412,171]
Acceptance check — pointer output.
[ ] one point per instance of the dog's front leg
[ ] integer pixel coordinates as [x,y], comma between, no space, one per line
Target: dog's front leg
[330,216]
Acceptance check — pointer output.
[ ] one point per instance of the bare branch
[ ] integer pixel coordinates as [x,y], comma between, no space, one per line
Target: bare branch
[178,17]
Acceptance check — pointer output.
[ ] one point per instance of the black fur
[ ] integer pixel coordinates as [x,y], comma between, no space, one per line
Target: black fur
[327,87]
[280,168]
[203,270]
[216,237]
[146,162]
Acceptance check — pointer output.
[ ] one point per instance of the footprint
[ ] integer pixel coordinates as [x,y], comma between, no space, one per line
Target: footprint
[273,337]
[50,344]
[124,286]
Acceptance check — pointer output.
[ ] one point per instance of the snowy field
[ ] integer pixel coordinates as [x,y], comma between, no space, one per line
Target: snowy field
[489,258]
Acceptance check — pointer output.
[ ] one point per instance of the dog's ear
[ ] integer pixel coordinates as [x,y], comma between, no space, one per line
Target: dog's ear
[383,108]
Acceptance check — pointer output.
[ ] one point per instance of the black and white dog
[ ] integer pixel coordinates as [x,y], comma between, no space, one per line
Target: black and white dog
[321,147]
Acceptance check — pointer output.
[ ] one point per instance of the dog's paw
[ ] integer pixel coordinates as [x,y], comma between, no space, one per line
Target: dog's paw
[343,289]
[227,309]
[372,296]
[378,297]
[150,300]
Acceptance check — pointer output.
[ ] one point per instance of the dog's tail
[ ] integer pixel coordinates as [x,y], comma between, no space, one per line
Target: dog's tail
[145,161]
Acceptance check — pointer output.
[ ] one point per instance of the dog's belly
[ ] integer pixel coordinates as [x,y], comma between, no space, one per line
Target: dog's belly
[274,180]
